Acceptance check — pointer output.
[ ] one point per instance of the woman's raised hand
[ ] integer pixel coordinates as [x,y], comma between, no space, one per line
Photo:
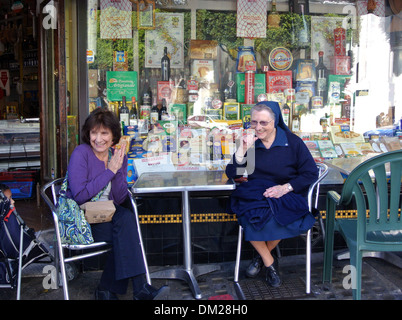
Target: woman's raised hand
[116,161]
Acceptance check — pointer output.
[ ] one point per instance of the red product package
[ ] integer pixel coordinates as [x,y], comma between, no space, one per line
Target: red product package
[278,81]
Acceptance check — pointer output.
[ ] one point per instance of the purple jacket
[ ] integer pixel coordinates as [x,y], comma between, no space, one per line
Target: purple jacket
[87,176]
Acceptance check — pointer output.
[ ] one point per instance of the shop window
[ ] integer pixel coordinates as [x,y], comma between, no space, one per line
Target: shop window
[319,62]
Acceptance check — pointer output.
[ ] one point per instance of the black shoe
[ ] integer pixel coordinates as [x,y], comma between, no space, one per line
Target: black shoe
[272,277]
[276,260]
[105,295]
[255,267]
[150,293]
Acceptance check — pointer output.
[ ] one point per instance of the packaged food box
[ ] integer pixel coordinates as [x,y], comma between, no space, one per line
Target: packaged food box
[340,65]
[392,143]
[350,149]
[165,90]
[305,86]
[313,148]
[305,70]
[365,148]
[203,70]
[327,149]
[203,49]
[245,115]
[179,111]
[231,111]
[259,86]
[278,81]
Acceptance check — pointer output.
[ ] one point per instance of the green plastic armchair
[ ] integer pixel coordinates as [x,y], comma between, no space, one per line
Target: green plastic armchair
[375,186]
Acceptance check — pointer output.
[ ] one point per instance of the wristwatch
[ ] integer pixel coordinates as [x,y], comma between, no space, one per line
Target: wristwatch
[289,187]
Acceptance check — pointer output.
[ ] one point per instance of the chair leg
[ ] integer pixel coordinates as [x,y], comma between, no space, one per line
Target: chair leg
[356,262]
[147,274]
[238,254]
[60,255]
[328,256]
[329,242]
[308,262]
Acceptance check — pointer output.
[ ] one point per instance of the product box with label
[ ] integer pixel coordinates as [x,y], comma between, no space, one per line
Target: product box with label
[231,111]
[203,70]
[179,110]
[336,86]
[278,81]
[259,86]
[164,91]
[340,65]
[245,114]
[203,49]
[305,70]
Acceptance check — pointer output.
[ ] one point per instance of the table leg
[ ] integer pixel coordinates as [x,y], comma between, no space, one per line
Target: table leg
[189,272]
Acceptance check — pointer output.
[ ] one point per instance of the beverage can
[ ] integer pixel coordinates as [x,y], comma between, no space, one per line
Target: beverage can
[290,95]
[145,112]
[316,102]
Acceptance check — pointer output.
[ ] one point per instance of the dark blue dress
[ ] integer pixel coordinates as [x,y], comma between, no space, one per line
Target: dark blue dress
[287,161]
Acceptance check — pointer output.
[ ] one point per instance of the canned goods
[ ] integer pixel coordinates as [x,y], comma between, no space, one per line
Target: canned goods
[290,95]
[145,112]
[316,102]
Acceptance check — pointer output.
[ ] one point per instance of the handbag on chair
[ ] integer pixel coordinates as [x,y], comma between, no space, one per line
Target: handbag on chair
[73,226]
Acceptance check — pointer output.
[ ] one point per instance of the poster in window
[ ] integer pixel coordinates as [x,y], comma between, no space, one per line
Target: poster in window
[168,32]
[115,19]
[251,18]
[322,36]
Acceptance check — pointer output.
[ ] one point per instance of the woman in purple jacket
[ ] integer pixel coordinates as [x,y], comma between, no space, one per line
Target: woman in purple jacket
[93,166]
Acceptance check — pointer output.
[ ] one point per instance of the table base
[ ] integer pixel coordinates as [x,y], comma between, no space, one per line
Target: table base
[187,275]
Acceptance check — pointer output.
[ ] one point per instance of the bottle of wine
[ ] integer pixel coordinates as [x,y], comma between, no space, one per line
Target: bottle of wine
[230,90]
[147,94]
[154,112]
[163,111]
[286,114]
[296,123]
[165,66]
[273,17]
[133,112]
[322,77]
[124,113]
[304,32]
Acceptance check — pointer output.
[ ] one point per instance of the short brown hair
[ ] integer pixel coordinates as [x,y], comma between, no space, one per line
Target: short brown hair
[101,117]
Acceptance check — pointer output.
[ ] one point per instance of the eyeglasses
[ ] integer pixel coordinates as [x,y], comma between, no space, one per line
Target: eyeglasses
[254,123]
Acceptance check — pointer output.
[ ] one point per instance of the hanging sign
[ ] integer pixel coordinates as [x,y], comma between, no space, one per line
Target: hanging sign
[252,18]
[121,83]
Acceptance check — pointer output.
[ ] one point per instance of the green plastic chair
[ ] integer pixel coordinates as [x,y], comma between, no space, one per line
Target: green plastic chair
[375,185]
